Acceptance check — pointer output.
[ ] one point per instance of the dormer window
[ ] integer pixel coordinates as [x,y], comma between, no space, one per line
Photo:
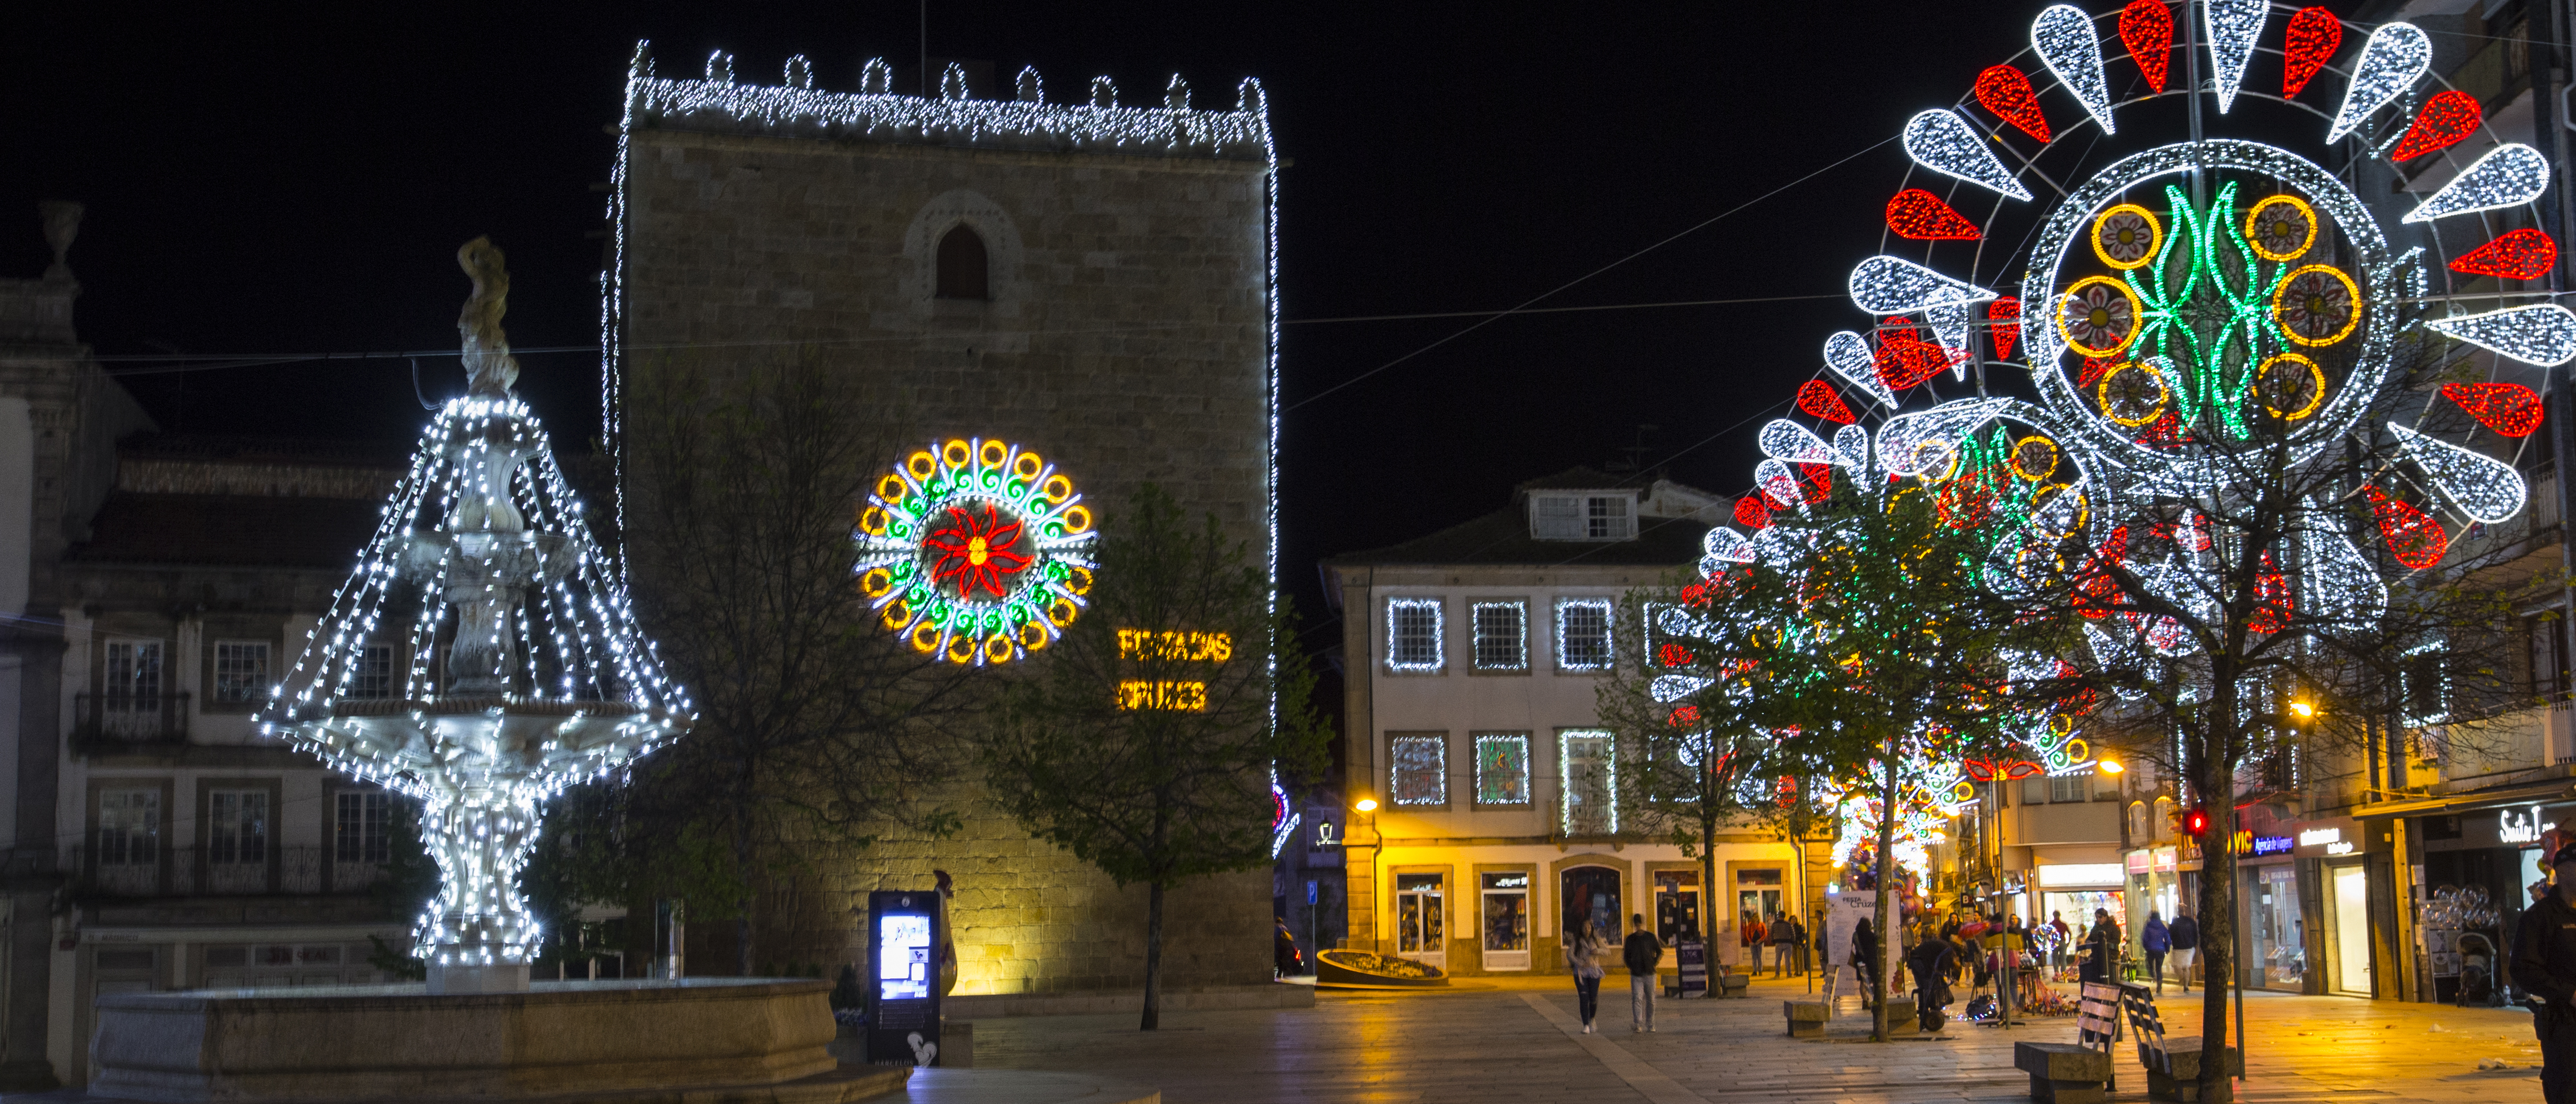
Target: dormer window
[1583,516]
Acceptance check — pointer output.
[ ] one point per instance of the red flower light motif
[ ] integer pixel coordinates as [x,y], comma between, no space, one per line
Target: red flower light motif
[977,552]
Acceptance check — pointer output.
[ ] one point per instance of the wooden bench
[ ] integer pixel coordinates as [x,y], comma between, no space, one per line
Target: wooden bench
[1806,1018]
[2173,1065]
[2077,1072]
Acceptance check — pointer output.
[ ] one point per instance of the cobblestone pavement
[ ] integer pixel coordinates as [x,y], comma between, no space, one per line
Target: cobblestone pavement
[1517,1041]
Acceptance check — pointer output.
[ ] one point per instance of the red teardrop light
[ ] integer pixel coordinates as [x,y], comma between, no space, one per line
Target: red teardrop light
[2005,91]
[2314,35]
[2507,408]
[1920,215]
[1904,360]
[2003,320]
[2273,603]
[1815,482]
[2147,29]
[2524,254]
[1751,513]
[2446,121]
[2413,536]
[1818,399]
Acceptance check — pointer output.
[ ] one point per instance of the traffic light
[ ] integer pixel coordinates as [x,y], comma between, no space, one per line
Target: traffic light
[2195,823]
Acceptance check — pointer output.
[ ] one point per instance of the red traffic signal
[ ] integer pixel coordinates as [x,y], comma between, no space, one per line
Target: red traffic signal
[2195,823]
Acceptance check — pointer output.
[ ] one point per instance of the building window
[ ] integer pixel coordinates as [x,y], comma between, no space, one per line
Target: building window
[2070,787]
[1419,774]
[241,671]
[1502,636]
[129,827]
[133,675]
[372,676]
[237,827]
[1579,517]
[360,825]
[1413,634]
[1588,802]
[1502,768]
[1583,634]
[962,266]
[2546,636]
[2425,686]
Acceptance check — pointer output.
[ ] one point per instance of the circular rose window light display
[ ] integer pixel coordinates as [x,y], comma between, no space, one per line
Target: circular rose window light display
[977,551]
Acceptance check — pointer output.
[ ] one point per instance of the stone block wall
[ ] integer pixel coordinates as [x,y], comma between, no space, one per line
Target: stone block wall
[1126,340]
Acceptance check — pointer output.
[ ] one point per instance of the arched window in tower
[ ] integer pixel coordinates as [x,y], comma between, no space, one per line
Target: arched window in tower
[962,266]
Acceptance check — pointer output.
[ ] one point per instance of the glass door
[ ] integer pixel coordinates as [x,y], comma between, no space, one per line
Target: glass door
[1590,895]
[1506,921]
[1420,924]
[1677,913]
[2351,896]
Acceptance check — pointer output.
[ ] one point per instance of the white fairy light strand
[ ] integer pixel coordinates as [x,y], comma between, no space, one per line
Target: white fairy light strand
[1943,142]
[2543,335]
[2232,27]
[2482,487]
[2508,176]
[2067,44]
[2391,62]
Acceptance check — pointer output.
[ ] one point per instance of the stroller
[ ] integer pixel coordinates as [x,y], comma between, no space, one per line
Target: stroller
[2477,970]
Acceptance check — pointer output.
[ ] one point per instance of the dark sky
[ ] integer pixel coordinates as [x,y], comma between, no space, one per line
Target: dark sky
[293,183]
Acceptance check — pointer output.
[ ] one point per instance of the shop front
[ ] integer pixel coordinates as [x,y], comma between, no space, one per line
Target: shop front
[2478,867]
[2272,931]
[2331,855]
[2076,890]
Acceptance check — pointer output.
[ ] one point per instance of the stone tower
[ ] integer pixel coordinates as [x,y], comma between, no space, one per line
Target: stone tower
[1089,280]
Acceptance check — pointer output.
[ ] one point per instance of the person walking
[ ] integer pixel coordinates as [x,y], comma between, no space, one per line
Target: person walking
[2156,939]
[1864,960]
[2544,964]
[2061,942]
[1788,946]
[2184,934]
[1755,934]
[2004,944]
[1643,952]
[1583,951]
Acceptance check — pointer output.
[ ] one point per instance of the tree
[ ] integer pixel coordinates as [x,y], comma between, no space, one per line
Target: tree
[1146,740]
[1895,660]
[815,724]
[2233,617]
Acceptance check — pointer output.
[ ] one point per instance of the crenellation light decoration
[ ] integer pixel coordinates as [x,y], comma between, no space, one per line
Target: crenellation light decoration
[2063,35]
[2394,58]
[2315,34]
[523,668]
[1943,142]
[975,550]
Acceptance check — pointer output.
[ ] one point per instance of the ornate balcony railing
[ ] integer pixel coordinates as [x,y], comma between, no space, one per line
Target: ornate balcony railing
[132,718]
[141,868]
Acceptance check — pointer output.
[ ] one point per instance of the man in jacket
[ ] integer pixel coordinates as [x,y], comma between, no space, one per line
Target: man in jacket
[2184,934]
[2544,963]
[1788,945]
[1643,953]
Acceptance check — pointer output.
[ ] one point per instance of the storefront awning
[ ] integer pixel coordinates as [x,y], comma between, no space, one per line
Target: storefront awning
[2485,799]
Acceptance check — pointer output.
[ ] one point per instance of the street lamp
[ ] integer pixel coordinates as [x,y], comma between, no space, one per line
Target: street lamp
[2303,710]
[2112,766]
[1365,805]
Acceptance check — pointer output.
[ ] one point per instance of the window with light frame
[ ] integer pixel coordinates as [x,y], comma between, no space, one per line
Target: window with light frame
[1413,636]
[1583,634]
[1587,782]
[1503,770]
[1501,636]
[1417,769]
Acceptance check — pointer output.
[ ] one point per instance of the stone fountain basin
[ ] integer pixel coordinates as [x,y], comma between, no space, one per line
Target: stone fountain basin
[573,1040]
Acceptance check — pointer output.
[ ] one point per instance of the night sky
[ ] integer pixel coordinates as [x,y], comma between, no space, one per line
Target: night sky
[264,186]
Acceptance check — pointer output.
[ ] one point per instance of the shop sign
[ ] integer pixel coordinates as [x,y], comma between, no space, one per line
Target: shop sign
[2518,825]
[2271,845]
[2138,861]
[2329,839]
[2165,860]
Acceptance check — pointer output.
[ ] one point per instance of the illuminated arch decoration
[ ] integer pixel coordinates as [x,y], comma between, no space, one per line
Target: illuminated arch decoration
[976,551]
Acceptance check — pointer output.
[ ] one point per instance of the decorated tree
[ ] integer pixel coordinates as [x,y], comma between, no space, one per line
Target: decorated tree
[1150,738]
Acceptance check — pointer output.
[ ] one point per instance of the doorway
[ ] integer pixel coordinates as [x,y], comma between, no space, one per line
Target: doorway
[1677,906]
[1591,897]
[1506,920]
[1420,923]
[2350,894]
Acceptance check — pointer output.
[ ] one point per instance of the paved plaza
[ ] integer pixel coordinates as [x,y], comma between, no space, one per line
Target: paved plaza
[1521,1041]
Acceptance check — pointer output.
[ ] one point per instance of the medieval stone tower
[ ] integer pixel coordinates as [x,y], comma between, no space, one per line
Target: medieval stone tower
[1087,280]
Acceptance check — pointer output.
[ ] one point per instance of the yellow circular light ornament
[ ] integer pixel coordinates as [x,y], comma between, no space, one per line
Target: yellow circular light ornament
[1963,792]
[2125,403]
[925,637]
[2290,386]
[2059,511]
[2098,316]
[2034,458]
[1935,462]
[2060,725]
[2077,750]
[2127,236]
[875,582]
[1027,467]
[997,648]
[2281,228]
[921,465]
[2316,305]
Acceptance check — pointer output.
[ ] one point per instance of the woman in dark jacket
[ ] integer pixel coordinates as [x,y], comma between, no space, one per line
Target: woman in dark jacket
[2101,948]
[1864,954]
